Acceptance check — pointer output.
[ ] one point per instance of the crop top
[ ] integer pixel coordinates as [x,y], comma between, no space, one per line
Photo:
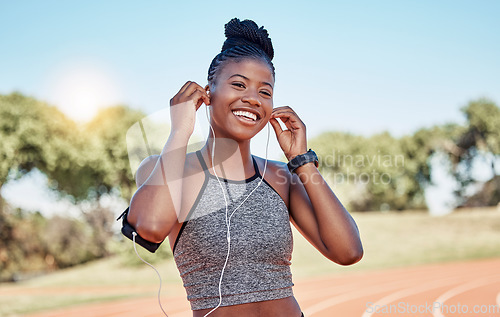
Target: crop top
[261,244]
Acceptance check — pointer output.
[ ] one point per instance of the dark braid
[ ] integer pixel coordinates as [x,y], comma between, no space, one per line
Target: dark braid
[244,39]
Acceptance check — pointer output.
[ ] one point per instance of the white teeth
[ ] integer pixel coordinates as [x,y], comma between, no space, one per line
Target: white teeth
[246,114]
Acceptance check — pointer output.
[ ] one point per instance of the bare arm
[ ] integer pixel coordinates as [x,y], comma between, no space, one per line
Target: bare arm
[156,205]
[314,208]
[322,219]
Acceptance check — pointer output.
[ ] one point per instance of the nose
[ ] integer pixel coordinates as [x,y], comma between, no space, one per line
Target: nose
[252,98]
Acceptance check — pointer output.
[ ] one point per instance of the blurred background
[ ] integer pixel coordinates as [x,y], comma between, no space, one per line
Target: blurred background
[400,99]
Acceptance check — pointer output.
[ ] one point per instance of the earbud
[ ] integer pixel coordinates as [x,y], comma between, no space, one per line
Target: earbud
[208,93]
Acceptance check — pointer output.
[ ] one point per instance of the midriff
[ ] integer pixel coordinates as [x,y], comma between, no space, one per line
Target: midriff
[284,307]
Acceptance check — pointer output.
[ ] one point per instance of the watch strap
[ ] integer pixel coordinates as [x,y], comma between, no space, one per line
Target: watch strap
[299,160]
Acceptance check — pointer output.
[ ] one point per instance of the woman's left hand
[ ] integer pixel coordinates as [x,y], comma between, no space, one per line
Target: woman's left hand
[292,141]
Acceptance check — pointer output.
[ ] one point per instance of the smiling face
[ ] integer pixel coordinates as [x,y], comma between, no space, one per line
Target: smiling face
[241,99]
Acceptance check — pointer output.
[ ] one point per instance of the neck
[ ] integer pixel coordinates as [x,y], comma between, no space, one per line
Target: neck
[232,159]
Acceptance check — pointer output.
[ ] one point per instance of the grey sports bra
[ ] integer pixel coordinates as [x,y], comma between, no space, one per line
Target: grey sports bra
[258,268]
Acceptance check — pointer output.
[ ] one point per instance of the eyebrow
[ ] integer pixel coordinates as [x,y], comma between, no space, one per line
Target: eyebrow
[262,82]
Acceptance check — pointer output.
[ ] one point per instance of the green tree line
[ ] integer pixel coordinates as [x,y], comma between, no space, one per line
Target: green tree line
[381,172]
[81,162]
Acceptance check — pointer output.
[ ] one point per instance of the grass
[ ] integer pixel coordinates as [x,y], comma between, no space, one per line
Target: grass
[389,239]
[410,238]
[27,304]
[98,281]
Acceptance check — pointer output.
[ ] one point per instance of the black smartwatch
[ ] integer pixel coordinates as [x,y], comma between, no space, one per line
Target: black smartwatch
[299,160]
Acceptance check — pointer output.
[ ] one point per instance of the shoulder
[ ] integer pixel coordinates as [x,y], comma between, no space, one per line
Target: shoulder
[192,165]
[145,168]
[274,168]
[276,175]
[147,165]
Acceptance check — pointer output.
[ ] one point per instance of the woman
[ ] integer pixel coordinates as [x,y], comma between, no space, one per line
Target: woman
[226,212]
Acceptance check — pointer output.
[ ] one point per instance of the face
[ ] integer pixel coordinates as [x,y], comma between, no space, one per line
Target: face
[241,99]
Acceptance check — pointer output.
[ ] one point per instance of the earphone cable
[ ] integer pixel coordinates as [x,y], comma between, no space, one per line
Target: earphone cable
[228,235]
[228,220]
[151,265]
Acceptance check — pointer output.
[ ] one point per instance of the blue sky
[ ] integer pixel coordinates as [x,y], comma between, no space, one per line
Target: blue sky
[362,66]
[358,66]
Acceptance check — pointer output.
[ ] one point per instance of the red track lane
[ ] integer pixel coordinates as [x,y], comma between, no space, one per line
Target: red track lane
[409,292]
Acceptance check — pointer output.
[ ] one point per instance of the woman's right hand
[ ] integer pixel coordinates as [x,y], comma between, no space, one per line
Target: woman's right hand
[183,107]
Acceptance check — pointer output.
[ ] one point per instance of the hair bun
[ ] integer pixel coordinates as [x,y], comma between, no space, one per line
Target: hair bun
[247,32]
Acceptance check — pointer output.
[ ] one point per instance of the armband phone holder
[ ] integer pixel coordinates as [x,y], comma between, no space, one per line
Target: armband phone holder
[128,231]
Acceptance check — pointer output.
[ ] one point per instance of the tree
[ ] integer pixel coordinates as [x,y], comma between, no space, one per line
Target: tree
[82,162]
[479,140]
[107,135]
[382,172]
[34,135]
[372,173]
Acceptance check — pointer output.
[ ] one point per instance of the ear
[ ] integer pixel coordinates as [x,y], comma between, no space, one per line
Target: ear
[207,90]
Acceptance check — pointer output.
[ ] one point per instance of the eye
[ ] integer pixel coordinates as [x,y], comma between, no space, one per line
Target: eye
[266,93]
[239,85]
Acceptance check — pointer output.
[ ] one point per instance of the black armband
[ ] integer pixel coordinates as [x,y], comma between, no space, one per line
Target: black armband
[128,231]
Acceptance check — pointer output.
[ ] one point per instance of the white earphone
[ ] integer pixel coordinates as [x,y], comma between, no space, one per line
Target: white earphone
[228,219]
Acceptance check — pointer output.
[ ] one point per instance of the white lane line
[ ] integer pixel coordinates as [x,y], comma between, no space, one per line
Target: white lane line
[346,286]
[385,301]
[366,291]
[372,290]
[463,288]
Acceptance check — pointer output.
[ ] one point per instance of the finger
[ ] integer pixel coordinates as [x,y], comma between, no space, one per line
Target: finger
[289,124]
[184,87]
[276,126]
[192,87]
[285,120]
[290,120]
[284,112]
[199,96]
[203,92]
[282,108]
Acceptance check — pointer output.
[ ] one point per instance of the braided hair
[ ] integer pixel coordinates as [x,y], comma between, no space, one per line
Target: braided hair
[244,39]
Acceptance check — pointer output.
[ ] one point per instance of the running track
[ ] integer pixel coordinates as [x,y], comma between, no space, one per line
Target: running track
[456,287]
